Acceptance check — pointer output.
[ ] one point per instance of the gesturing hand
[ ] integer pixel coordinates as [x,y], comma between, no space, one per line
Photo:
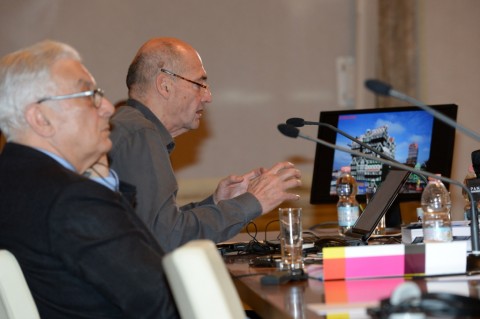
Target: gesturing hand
[234,185]
[270,187]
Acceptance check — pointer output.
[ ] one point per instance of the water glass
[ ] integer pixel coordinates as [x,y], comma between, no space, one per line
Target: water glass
[291,240]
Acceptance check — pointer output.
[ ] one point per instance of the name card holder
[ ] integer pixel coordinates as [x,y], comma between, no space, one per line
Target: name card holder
[399,260]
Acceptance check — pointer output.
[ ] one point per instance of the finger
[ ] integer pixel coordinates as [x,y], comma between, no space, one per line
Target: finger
[280,166]
[225,182]
[291,183]
[286,174]
[234,179]
[292,197]
[252,174]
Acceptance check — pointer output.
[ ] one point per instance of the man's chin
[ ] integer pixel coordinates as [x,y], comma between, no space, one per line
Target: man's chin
[108,144]
[195,124]
[105,147]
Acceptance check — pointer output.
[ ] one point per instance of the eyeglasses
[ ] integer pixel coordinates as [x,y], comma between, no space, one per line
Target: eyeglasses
[204,86]
[97,96]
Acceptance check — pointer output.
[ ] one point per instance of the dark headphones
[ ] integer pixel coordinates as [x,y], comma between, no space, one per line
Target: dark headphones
[408,300]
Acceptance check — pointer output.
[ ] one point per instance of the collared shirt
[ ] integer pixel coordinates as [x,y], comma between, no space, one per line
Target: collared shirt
[111,181]
[141,156]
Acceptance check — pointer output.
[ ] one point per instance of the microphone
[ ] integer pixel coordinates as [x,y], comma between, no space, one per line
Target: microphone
[383,88]
[473,259]
[476,162]
[378,87]
[299,122]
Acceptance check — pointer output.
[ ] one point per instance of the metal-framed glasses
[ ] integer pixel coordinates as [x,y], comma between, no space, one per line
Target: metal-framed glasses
[96,95]
[203,86]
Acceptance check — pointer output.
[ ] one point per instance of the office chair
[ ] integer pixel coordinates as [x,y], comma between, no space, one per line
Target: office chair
[201,284]
[16,301]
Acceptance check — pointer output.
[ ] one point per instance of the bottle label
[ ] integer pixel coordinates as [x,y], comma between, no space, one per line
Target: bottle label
[438,234]
[347,215]
[437,227]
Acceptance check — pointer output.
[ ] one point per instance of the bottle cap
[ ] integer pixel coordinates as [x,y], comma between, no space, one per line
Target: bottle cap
[345,169]
[433,179]
[419,213]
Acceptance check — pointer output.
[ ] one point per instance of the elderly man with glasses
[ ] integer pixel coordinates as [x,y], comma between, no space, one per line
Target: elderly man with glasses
[82,249]
[168,92]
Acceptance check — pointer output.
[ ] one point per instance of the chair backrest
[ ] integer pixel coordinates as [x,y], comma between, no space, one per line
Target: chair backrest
[16,301]
[201,284]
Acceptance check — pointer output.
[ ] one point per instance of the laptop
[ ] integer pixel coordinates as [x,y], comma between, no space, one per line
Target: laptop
[378,206]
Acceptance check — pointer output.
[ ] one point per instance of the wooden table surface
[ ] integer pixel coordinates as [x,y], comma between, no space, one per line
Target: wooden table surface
[312,298]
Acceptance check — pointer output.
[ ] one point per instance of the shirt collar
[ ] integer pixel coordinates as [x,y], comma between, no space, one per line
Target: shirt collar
[59,159]
[111,181]
[169,142]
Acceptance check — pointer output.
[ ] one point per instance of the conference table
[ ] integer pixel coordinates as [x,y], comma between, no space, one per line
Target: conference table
[273,301]
[315,298]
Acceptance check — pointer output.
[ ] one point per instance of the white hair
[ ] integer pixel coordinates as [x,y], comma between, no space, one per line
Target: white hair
[26,77]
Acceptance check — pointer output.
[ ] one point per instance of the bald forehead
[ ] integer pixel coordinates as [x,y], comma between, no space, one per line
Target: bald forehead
[172,49]
[160,43]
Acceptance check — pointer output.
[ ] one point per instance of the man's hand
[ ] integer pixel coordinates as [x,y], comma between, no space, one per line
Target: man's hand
[235,185]
[270,188]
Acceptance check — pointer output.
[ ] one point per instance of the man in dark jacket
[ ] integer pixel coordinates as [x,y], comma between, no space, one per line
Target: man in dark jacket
[83,250]
[168,93]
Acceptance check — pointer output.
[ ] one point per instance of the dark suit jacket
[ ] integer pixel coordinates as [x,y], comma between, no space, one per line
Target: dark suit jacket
[84,252]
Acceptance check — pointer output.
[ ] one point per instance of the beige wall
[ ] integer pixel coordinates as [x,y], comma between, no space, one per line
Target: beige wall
[450,71]
[267,61]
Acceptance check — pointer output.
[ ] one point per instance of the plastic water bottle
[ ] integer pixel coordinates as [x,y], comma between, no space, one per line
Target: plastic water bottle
[347,207]
[436,204]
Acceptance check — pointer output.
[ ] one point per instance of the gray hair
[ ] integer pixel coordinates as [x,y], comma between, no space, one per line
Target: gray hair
[26,77]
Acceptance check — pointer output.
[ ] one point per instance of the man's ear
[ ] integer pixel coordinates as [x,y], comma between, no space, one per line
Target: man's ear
[38,120]
[163,85]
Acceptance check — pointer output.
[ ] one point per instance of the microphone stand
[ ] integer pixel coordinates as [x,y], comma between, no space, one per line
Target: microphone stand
[355,140]
[435,113]
[473,259]
[381,88]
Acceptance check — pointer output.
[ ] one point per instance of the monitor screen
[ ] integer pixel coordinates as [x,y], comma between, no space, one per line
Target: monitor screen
[408,135]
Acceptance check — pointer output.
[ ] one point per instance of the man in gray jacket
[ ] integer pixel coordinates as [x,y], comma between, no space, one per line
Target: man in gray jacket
[168,91]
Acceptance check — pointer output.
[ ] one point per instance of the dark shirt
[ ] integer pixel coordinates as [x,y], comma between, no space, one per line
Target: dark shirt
[82,249]
[141,157]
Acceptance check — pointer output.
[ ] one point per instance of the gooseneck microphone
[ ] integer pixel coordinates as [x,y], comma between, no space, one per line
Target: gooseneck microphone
[473,264]
[291,131]
[299,122]
[383,88]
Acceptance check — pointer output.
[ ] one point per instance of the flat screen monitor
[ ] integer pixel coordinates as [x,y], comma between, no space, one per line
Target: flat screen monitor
[409,135]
